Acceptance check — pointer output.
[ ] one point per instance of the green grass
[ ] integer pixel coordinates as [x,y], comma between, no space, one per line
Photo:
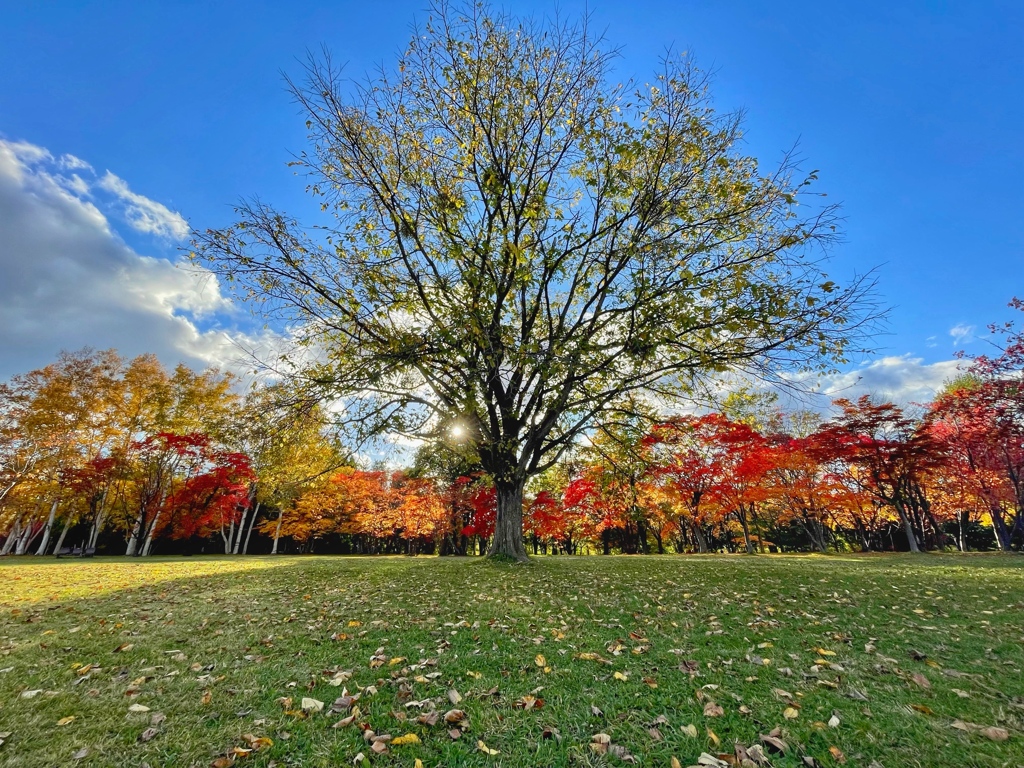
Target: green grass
[249,632]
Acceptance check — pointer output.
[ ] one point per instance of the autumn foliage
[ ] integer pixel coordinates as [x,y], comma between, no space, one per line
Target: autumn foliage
[101,453]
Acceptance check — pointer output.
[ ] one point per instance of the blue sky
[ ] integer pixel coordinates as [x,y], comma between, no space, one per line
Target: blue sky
[913,111]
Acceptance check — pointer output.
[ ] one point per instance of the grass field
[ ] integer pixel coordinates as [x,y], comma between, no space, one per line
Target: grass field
[906,661]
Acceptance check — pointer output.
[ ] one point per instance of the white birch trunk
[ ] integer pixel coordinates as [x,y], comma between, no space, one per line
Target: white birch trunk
[252,522]
[47,528]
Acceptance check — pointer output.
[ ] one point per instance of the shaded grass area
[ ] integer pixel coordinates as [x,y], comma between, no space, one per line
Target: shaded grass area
[896,648]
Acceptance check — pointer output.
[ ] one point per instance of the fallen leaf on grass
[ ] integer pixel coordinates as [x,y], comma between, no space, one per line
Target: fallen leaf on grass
[428,718]
[138,708]
[790,713]
[621,676]
[529,702]
[837,755]
[713,710]
[994,733]
[689,730]
[775,744]
[66,720]
[454,716]
[312,705]
[454,696]
[81,754]
[148,734]
[921,680]
[409,738]
[486,750]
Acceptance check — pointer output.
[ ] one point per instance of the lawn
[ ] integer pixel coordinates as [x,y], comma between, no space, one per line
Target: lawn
[906,661]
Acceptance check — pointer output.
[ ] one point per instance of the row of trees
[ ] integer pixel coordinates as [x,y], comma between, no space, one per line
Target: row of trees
[133,458]
[94,447]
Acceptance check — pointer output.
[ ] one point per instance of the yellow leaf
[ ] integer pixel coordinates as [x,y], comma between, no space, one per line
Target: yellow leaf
[409,738]
[486,750]
[418,763]
[540,661]
[790,713]
[714,737]
[620,676]
[66,720]
[825,652]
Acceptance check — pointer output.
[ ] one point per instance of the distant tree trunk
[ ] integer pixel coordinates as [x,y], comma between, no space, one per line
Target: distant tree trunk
[277,531]
[47,528]
[908,527]
[252,523]
[1002,533]
[97,522]
[12,537]
[741,515]
[507,540]
[133,540]
[63,535]
[698,535]
[151,533]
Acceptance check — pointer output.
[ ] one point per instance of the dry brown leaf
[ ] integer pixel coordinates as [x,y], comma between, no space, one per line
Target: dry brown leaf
[921,680]
[994,733]
[711,709]
[837,755]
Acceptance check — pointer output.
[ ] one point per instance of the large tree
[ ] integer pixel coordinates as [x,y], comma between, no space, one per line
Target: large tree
[514,242]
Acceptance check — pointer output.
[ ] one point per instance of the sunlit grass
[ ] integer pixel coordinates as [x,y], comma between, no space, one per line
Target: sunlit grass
[897,649]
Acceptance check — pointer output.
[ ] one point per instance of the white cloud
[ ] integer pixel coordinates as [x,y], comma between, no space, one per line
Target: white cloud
[144,214]
[68,281]
[961,333]
[904,379]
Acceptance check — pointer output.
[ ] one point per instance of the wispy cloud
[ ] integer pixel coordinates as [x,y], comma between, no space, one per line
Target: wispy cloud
[144,214]
[961,333]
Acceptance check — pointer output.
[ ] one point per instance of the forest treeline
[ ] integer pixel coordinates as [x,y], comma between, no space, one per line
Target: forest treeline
[127,457]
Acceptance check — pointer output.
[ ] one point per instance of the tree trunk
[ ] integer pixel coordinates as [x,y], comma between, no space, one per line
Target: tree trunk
[908,527]
[507,540]
[12,537]
[999,526]
[133,540]
[277,531]
[47,528]
[252,522]
[26,539]
[746,531]
[698,534]
[149,535]
[63,535]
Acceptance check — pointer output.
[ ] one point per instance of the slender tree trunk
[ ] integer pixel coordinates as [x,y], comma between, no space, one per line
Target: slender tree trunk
[150,534]
[1000,528]
[252,524]
[97,523]
[507,540]
[27,535]
[12,537]
[277,531]
[908,527]
[133,540]
[63,535]
[47,528]
[741,515]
